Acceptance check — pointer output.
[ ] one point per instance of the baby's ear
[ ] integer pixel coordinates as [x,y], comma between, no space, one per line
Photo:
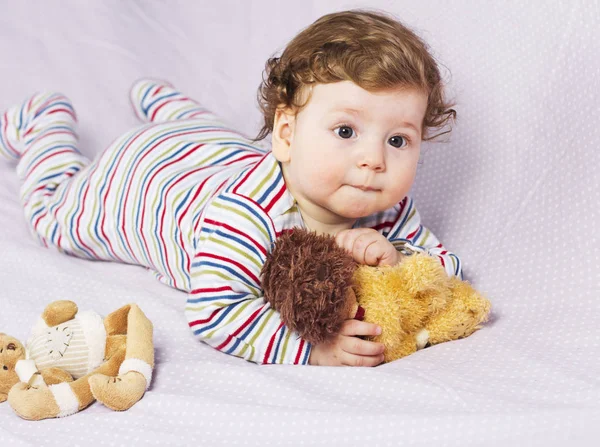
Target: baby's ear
[283,133]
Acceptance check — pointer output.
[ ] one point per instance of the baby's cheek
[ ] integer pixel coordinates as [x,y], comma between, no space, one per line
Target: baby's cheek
[325,174]
[401,186]
[325,181]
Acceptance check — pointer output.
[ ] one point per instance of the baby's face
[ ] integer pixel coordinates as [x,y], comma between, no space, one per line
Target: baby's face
[352,152]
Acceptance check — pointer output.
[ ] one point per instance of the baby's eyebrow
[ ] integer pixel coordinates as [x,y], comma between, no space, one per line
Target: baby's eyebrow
[349,110]
[354,111]
[410,125]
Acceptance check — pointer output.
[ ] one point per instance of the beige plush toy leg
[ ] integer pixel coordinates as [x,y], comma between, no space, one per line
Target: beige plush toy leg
[64,399]
[121,392]
[52,376]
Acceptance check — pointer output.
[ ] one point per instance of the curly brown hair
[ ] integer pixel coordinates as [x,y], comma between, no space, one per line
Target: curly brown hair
[306,278]
[371,49]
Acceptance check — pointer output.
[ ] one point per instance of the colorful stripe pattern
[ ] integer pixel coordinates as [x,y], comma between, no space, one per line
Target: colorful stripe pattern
[185,196]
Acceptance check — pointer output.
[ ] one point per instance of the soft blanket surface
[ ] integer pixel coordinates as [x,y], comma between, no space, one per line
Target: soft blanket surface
[514,191]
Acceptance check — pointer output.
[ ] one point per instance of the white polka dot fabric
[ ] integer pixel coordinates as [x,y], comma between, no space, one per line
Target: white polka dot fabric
[514,191]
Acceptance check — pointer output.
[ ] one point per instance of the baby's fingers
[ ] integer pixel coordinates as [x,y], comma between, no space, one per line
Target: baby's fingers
[358,346]
[361,360]
[347,238]
[359,328]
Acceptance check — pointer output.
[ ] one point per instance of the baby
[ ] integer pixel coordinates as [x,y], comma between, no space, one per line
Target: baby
[347,105]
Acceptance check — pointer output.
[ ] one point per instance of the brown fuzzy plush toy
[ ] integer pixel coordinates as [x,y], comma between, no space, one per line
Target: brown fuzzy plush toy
[315,285]
[73,358]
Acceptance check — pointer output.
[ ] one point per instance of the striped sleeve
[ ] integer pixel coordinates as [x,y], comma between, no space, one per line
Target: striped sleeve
[408,229]
[225,307]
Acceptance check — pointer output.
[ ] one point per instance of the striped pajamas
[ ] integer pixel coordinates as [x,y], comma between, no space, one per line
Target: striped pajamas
[185,196]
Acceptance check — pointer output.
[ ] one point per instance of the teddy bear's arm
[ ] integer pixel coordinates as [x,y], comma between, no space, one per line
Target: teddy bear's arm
[58,312]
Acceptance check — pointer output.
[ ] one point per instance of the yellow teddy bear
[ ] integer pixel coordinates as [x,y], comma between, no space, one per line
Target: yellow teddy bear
[417,305]
[315,285]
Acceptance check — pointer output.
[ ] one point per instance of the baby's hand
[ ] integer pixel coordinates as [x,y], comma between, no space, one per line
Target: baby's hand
[368,246]
[347,349]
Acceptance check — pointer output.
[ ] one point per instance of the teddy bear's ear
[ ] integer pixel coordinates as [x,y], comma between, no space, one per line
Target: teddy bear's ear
[306,279]
[422,273]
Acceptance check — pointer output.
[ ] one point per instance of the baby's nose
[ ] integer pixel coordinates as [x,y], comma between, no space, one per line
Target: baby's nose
[372,156]
[372,162]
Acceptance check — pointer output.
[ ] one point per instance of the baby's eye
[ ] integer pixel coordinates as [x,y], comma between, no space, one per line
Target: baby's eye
[344,131]
[398,141]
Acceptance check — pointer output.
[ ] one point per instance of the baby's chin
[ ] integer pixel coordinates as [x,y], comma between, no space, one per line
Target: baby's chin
[366,204]
[357,210]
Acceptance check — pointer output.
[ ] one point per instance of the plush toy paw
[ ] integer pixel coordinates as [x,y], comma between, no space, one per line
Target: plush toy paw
[422,339]
[33,402]
[465,313]
[118,393]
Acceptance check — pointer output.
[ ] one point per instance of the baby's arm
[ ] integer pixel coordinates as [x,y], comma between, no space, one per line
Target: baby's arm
[225,306]
[408,229]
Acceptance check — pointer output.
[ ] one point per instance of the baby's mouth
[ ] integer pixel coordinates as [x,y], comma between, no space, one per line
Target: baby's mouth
[364,188]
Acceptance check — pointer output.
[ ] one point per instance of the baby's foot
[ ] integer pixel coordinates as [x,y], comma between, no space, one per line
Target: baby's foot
[10,127]
[144,92]
[118,393]
[18,124]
